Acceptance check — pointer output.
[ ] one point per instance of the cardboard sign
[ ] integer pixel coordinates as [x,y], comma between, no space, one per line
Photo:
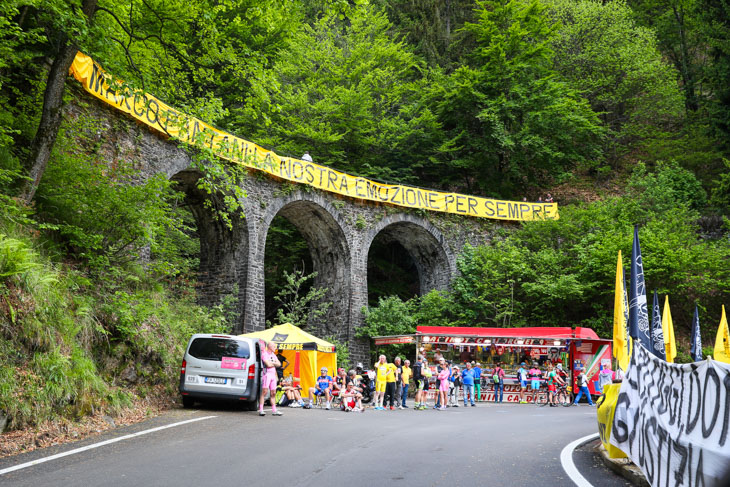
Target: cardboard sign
[233,363]
[393,340]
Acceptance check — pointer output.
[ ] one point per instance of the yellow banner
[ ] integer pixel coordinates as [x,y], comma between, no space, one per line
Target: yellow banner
[722,340]
[605,412]
[165,119]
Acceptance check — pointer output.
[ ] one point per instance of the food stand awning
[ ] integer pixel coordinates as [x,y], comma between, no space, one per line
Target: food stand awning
[477,336]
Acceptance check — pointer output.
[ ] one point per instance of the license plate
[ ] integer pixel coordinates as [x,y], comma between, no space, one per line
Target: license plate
[215,380]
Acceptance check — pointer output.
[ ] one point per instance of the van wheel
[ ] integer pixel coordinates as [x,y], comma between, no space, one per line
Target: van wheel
[252,405]
[188,402]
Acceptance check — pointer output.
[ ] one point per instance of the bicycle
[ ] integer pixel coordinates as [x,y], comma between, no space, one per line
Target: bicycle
[564,395]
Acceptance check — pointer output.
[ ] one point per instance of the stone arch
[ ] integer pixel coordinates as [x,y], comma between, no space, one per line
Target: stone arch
[223,251]
[423,242]
[323,228]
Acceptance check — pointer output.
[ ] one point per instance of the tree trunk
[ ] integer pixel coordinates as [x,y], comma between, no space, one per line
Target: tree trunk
[51,115]
[686,70]
[45,137]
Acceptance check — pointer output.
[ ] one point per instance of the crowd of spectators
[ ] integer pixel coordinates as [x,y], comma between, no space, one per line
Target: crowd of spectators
[389,383]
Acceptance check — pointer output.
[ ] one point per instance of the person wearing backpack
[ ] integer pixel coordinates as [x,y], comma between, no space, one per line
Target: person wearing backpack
[498,379]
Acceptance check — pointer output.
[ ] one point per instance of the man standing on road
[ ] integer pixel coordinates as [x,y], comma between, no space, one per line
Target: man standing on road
[268,383]
[467,378]
[535,375]
[522,377]
[477,382]
[421,382]
[381,371]
[390,385]
[454,384]
[583,383]
[405,378]
[443,377]
[398,382]
[498,379]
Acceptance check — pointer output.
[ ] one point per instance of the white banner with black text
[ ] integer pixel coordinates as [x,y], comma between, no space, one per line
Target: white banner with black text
[672,420]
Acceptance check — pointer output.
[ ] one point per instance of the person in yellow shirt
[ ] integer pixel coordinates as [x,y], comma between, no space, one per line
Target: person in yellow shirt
[405,378]
[390,381]
[381,373]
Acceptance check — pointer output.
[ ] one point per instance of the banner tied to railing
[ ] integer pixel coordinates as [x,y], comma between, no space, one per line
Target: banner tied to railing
[154,113]
[672,420]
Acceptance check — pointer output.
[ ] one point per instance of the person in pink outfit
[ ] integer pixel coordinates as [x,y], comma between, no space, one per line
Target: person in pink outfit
[269,378]
[443,378]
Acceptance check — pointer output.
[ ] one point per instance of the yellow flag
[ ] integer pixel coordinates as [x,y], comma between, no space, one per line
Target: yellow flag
[620,349]
[722,341]
[668,329]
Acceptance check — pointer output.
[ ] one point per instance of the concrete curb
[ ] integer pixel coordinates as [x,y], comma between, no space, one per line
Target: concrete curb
[623,467]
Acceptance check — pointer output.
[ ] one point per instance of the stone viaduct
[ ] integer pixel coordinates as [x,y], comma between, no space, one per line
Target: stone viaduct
[338,230]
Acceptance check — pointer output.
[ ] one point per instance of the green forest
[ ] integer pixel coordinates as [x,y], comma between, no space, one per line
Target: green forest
[620,110]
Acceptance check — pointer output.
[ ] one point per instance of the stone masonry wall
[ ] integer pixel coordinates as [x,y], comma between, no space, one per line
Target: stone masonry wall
[338,230]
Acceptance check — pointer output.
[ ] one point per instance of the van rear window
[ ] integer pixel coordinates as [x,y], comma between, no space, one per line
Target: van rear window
[217,348]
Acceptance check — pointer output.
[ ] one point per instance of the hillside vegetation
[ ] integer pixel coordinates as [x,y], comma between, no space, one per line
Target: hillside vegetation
[620,109]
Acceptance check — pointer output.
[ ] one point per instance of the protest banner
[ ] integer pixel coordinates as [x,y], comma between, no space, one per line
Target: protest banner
[672,420]
[604,412]
[170,122]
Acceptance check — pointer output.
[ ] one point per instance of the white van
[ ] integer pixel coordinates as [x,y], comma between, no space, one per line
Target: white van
[221,367]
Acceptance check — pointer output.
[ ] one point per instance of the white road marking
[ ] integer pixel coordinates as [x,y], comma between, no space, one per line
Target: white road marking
[97,445]
[566,458]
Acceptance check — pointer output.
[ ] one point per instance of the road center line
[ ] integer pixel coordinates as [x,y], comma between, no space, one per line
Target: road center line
[566,458]
[97,445]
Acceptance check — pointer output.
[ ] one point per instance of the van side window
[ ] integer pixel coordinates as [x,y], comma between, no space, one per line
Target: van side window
[217,348]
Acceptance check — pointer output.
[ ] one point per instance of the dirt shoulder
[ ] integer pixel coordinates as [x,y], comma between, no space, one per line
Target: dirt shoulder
[58,432]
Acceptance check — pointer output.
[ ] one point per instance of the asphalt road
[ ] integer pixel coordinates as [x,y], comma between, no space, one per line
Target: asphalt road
[497,445]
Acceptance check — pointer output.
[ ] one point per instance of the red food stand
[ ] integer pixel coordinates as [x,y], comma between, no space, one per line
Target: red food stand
[575,348]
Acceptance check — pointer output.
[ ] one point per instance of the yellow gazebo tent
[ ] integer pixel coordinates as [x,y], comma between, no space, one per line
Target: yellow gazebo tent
[305,353]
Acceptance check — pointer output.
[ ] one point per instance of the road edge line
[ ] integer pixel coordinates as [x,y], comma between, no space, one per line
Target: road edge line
[97,445]
[566,459]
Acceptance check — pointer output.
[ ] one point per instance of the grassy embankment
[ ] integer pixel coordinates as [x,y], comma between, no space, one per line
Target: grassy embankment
[69,349]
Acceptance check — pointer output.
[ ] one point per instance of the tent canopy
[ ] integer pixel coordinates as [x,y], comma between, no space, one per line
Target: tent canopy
[305,353]
[290,337]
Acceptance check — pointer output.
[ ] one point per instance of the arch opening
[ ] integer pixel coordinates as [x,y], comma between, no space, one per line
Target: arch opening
[326,252]
[414,258]
[391,271]
[222,251]
[286,251]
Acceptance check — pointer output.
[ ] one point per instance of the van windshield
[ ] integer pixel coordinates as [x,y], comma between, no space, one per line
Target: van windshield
[216,348]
